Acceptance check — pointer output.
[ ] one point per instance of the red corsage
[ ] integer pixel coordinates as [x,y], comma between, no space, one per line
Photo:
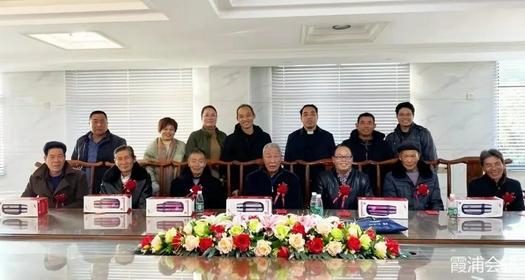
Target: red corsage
[129,186]
[282,189]
[194,190]
[60,198]
[508,198]
[422,190]
[343,194]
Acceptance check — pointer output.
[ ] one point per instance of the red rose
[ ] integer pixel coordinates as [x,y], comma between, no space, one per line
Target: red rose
[508,197]
[392,246]
[422,190]
[345,189]
[353,244]
[218,230]
[298,228]
[371,233]
[282,188]
[315,246]
[195,189]
[205,243]
[177,240]
[242,242]
[283,252]
[146,241]
[129,186]
[60,199]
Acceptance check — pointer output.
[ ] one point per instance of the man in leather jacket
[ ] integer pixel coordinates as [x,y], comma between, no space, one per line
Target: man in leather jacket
[341,186]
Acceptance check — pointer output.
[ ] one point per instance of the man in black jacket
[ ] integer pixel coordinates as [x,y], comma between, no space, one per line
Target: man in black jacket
[309,143]
[272,180]
[366,143]
[341,186]
[96,146]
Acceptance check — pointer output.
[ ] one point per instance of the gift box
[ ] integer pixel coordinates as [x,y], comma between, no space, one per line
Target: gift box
[107,203]
[157,224]
[249,205]
[169,206]
[107,220]
[383,207]
[476,226]
[24,207]
[488,207]
[24,225]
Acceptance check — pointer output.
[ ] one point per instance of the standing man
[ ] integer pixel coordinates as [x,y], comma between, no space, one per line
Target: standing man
[57,180]
[367,143]
[97,145]
[407,130]
[309,143]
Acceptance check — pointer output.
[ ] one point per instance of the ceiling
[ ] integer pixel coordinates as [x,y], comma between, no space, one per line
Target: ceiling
[172,33]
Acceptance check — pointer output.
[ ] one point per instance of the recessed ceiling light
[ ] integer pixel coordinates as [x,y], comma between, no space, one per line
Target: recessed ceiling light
[77,40]
[341,26]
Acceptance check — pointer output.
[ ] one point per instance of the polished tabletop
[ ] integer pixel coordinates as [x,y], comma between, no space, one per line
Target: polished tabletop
[423,228]
[31,259]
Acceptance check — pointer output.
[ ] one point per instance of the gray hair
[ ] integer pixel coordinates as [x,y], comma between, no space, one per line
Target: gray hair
[490,153]
[272,146]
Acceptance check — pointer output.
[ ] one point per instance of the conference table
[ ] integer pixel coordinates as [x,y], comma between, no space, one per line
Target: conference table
[69,244]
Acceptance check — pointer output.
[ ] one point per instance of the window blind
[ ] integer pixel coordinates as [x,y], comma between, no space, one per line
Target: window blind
[134,101]
[341,92]
[510,115]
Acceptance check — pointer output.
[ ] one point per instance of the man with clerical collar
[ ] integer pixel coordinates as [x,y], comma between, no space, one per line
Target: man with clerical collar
[366,143]
[272,180]
[309,143]
[341,186]
[407,130]
[57,180]
[96,146]
[496,183]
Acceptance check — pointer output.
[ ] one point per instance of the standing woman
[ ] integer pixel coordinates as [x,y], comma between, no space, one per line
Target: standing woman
[164,147]
[209,138]
[245,143]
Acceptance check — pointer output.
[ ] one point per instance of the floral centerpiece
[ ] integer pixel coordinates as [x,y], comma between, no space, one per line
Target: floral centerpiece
[290,237]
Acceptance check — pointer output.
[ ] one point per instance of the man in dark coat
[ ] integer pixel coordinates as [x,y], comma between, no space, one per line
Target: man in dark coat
[96,146]
[309,143]
[127,177]
[198,175]
[496,183]
[407,130]
[341,186]
[272,180]
[367,143]
[57,180]
[414,180]
[245,143]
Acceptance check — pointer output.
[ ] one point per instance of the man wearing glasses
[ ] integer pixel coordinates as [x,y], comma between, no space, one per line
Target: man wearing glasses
[341,186]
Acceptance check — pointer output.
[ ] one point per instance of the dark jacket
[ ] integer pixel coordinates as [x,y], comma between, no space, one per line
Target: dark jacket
[212,188]
[243,147]
[259,183]
[105,153]
[112,184]
[416,134]
[376,149]
[328,186]
[398,184]
[485,186]
[201,139]
[73,185]
[309,147]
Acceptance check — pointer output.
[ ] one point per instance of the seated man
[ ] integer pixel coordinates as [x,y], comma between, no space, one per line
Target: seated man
[57,180]
[272,180]
[495,181]
[197,176]
[341,186]
[127,177]
[413,179]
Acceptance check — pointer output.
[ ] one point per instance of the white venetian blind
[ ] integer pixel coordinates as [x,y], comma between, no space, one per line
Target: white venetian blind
[341,92]
[510,112]
[134,101]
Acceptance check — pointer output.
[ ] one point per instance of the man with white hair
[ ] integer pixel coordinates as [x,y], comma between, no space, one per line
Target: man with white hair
[272,180]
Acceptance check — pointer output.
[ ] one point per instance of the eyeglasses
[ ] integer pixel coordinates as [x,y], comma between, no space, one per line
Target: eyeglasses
[343,157]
